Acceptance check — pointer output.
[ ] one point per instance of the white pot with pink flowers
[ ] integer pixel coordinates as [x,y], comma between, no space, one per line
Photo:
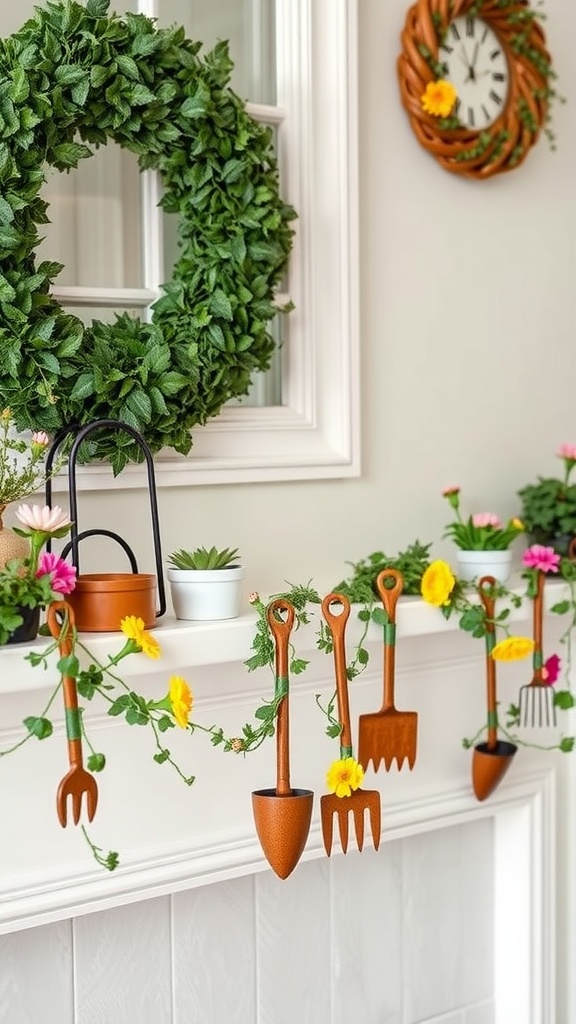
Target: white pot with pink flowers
[482,540]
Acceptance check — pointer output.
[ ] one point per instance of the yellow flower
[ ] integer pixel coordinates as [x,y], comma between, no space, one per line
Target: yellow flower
[133,628]
[513,648]
[343,776]
[181,700]
[517,523]
[439,98]
[437,583]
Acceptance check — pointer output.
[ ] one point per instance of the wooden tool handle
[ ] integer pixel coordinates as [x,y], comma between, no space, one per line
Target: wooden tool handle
[389,597]
[281,629]
[337,625]
[64,634]
[537,620]
[485,587]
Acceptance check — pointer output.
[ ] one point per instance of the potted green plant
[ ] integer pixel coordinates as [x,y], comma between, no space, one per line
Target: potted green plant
[549,506]
[205,583]
[29,584]
[482,541]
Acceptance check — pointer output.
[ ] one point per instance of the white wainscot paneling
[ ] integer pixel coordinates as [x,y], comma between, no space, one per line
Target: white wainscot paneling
[450,922]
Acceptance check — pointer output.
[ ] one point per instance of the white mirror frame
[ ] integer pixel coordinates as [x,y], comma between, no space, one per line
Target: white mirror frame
[315,432]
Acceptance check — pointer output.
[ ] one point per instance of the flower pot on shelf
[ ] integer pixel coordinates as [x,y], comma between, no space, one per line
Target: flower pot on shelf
[203,594]
[101,600]
[475,564]
[11,545]
[28,630]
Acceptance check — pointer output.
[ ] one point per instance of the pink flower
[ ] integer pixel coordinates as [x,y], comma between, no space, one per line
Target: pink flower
[254,597]
[451,489]
[63,575]
[567,451]
[486,519]
[540,557]
[40,438]
[45,519]
[551,669]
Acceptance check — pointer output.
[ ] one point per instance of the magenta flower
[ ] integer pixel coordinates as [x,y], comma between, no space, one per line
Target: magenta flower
[63,575]
[551,670]
[486,519]
[540,557]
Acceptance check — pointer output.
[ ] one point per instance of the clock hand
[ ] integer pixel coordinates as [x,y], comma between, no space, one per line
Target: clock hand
[472,68]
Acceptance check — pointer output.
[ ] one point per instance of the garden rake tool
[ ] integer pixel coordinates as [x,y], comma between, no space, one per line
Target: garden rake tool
[77,781]
[536,700]
[388,734]
[359,800]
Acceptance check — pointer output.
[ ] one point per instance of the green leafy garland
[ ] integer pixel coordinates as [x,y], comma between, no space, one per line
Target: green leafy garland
[74,75]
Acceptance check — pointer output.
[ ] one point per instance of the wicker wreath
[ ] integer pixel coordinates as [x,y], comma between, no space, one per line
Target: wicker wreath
[506,143]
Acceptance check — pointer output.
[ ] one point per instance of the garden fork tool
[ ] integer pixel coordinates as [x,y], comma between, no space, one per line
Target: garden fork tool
[359,800]
[388,734]
[537,698]
[77,781]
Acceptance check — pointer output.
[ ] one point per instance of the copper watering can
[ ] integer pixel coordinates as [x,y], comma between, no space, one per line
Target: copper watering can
[101,600]
[282,815]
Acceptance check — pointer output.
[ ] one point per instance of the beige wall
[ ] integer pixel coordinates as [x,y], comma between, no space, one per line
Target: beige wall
[468,310]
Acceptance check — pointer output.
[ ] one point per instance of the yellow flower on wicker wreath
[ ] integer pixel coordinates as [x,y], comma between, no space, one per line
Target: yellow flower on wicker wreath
[513,648]
[133,628]
[439,98]
[437,583]
[344,775]
[181,700]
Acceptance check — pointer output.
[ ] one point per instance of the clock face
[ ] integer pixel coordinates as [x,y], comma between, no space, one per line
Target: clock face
[475,63]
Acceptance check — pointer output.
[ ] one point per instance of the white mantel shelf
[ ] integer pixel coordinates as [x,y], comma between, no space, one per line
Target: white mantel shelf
[172,837]
[195,644]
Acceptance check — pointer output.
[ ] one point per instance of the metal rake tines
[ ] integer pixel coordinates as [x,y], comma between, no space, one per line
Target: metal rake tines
[537,708]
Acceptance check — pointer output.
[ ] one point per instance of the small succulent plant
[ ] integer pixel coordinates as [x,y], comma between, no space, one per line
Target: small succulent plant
[204,558]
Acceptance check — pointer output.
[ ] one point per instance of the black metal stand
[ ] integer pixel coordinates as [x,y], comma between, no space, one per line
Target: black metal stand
[81,434]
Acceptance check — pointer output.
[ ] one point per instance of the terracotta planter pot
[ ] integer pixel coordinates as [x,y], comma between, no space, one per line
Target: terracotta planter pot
[11,545]
[101,600]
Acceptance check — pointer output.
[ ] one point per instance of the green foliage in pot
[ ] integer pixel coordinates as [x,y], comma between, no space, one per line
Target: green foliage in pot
[73,77]
[549,506]
[205,558]
[21,588]
[412,563]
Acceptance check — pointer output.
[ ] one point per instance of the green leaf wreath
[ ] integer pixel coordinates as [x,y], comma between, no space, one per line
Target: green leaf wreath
[74,75]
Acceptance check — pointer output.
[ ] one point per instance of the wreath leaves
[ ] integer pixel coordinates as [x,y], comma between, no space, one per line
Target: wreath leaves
[72,78]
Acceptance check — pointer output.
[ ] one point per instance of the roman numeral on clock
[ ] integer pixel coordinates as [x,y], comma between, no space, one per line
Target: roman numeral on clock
[454,30]
[470,26]
[471,117]
[495,97]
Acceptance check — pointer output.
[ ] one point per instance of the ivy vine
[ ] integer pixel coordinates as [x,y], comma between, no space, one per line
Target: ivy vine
[74,77]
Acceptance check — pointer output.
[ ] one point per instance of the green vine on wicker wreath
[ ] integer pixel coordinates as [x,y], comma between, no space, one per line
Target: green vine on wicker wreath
[74,77]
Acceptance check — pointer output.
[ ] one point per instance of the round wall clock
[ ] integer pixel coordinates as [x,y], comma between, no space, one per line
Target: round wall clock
[475,81]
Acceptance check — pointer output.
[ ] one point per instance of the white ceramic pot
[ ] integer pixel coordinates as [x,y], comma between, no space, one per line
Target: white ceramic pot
[201,594]
[475,564]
